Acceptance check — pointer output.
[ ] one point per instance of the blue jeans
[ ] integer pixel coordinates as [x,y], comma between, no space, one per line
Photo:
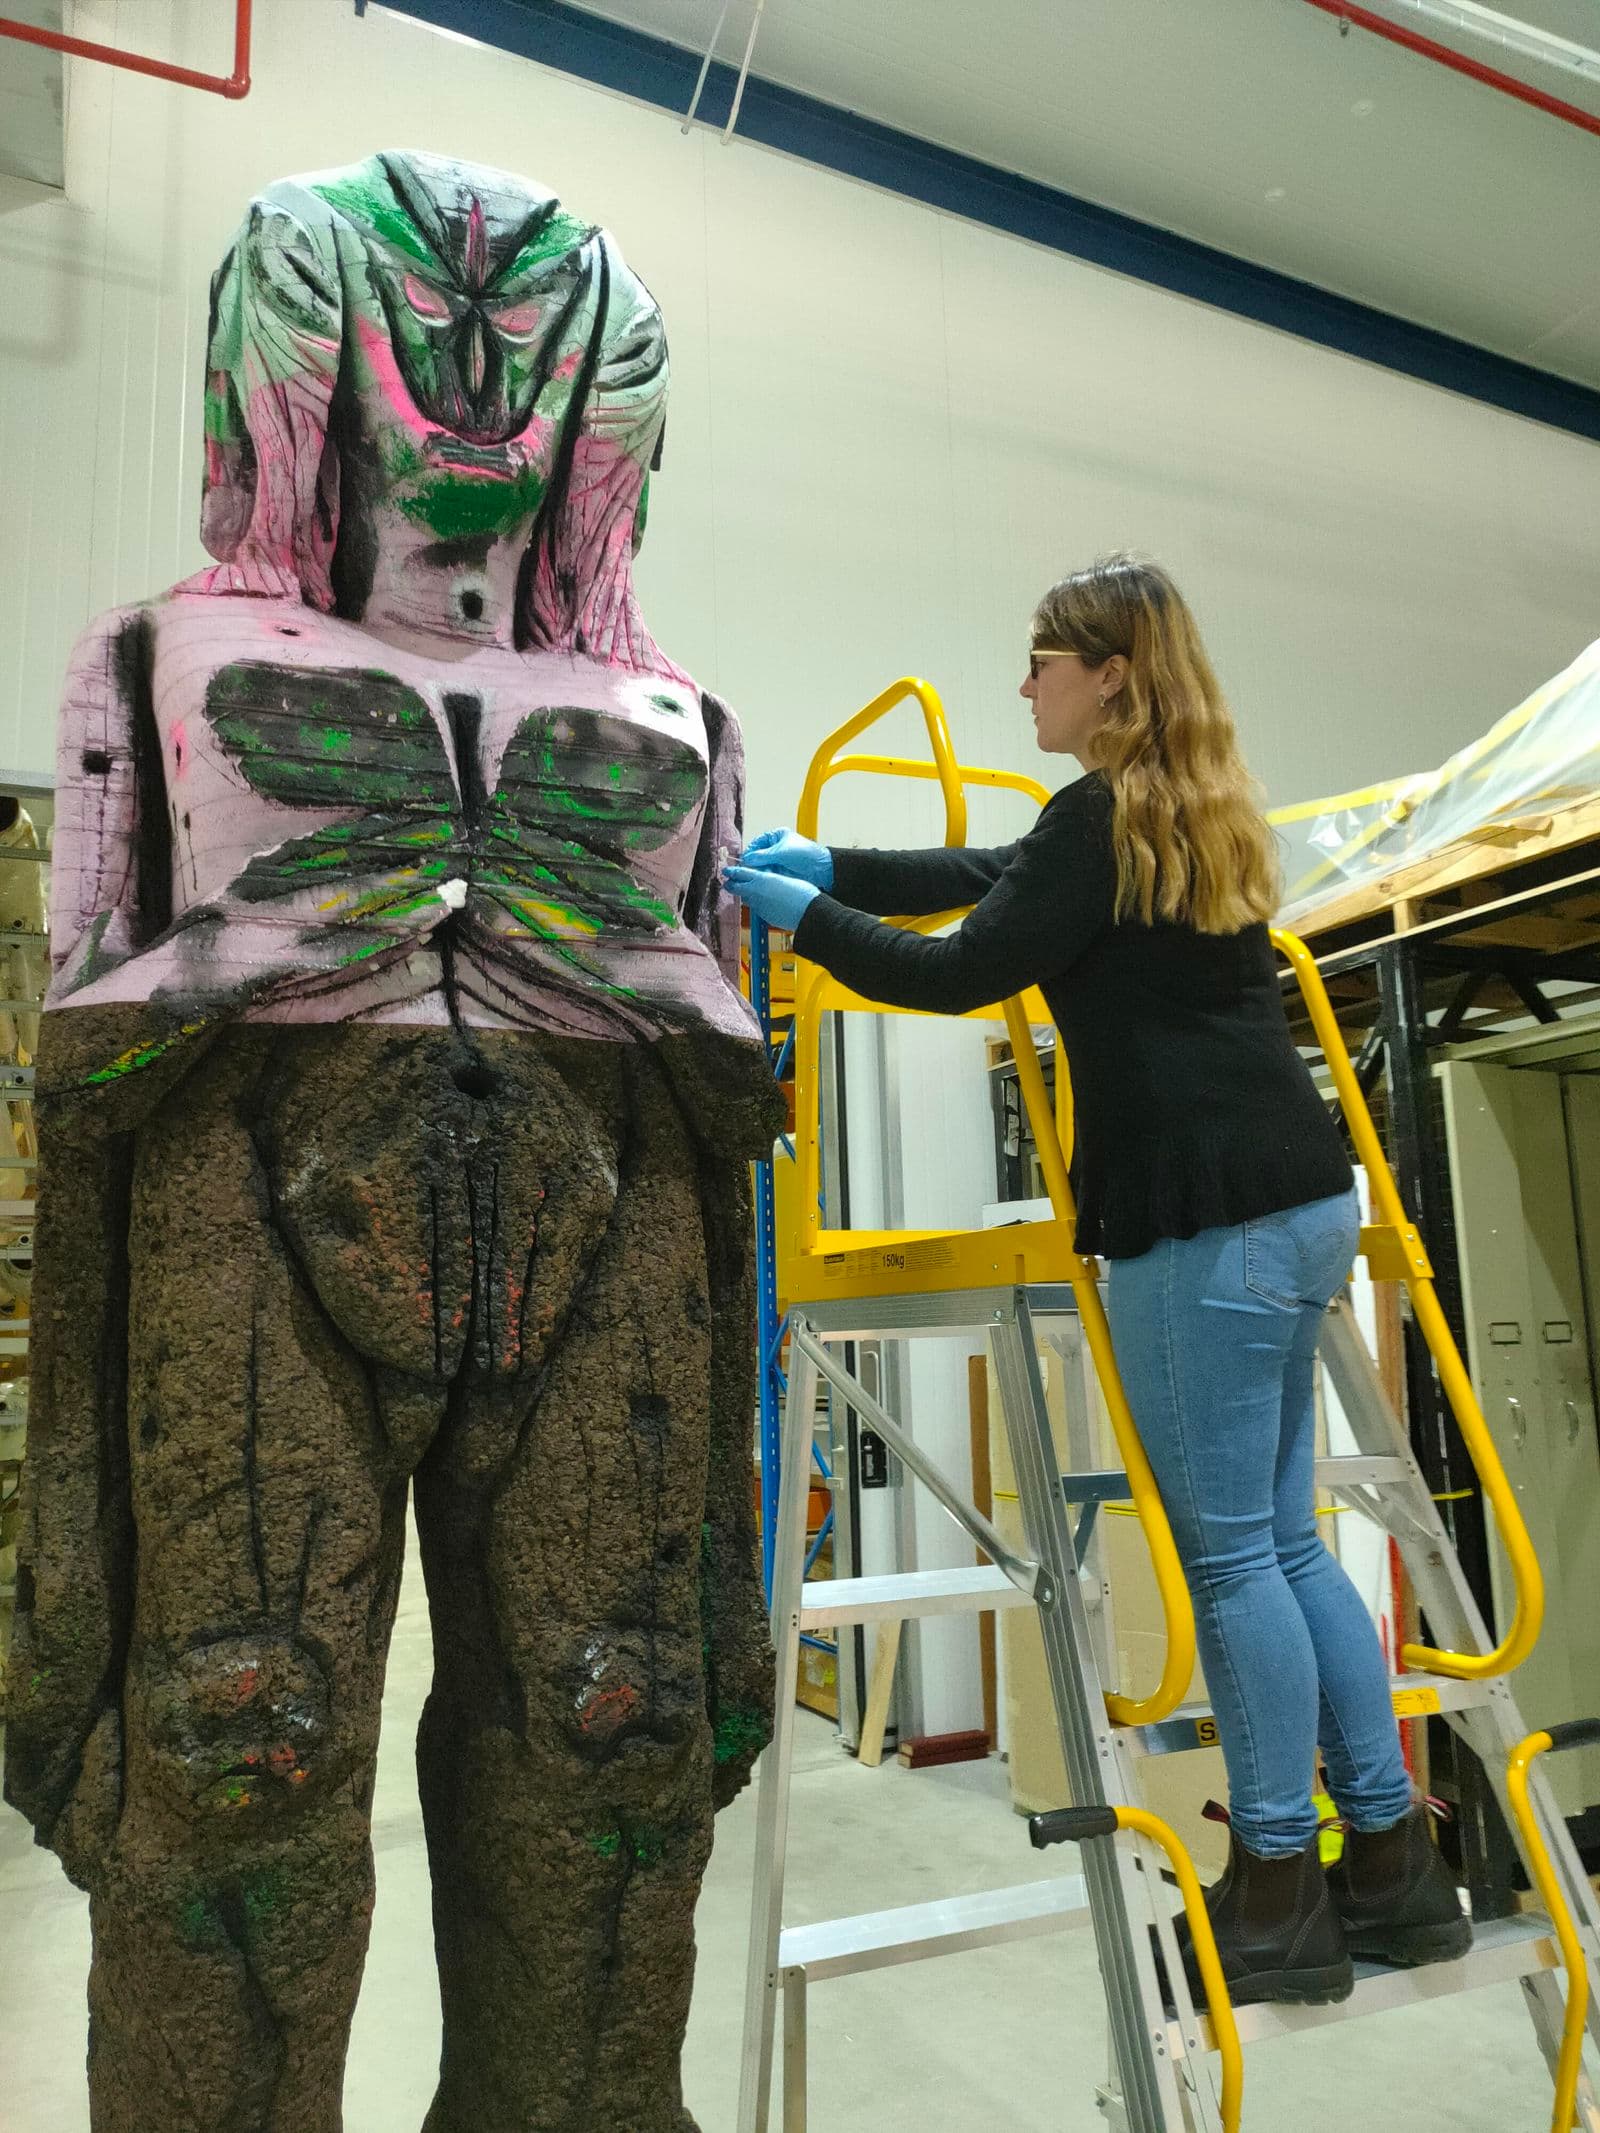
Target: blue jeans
[1216,1338]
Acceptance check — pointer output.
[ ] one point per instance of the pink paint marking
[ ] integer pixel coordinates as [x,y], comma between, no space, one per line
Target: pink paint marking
[390,383]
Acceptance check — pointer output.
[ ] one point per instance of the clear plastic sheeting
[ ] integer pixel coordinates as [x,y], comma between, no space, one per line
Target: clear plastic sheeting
[1539,759]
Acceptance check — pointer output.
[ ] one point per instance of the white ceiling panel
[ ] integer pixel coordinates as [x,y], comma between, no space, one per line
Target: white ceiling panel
[1251,125]
[31,137]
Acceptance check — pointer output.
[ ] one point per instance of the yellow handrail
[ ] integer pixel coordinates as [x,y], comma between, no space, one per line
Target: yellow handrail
[1224,2029]
[1084,1274]
[1411,1264]
[825,763]
[1080,1825]
[1570,2057]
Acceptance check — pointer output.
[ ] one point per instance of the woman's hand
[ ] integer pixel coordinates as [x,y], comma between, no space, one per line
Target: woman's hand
[784,851]
[778,898]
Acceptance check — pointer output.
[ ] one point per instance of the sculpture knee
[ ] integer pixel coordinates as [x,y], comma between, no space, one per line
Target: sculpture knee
[630,1698]
[242,1727]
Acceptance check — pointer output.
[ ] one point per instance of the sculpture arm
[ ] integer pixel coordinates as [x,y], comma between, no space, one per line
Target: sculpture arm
[110,885]
[708,908]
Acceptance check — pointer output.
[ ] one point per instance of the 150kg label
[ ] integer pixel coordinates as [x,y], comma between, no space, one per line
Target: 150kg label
[1415,1703]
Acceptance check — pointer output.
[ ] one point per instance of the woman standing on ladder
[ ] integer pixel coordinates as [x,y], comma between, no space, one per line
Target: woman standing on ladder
[1211,1177]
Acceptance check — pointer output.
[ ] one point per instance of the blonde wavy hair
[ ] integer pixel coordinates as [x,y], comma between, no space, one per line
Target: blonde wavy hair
[1192,845]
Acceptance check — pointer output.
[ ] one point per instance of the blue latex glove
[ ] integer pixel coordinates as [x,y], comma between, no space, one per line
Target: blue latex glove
[778,898]
[785,851]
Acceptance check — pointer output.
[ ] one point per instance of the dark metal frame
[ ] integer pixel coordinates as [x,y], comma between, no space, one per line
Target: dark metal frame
[1425,990]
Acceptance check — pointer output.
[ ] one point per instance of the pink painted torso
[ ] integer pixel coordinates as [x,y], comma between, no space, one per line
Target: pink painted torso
[344,942]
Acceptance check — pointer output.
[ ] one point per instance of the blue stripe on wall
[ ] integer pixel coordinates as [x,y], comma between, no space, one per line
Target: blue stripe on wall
[627,60]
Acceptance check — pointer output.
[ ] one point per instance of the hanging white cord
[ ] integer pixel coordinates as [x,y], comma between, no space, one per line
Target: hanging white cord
[744,71]
[705,69]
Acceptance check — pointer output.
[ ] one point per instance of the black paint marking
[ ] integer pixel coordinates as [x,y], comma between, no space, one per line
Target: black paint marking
[133,662]
[469,551]
[465,714]
[96,763]
[252,1390]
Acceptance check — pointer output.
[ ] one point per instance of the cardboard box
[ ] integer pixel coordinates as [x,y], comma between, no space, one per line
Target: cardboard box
[1176,1787]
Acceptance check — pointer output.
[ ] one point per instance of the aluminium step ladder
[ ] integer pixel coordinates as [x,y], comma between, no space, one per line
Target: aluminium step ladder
[1164,2074]
[1168,2074]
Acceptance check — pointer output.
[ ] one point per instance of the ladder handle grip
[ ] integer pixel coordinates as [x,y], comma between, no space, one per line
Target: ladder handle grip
[1071,1825]
[1575,1733]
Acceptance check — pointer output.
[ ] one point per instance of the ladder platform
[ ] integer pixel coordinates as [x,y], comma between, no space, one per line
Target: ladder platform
[827,1602]
[1503,1950]
[875,1940]
[1193,1725]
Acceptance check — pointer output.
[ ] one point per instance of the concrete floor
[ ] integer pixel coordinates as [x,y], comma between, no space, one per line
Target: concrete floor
[1008,2037]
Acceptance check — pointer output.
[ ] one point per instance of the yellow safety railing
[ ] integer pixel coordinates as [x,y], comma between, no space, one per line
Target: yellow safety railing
[1078,1825]
[817,991]
[1395,1252]
[1576,1733]
[1084,1274]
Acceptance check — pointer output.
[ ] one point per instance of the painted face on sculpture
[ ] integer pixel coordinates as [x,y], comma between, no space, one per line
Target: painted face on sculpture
[487,362]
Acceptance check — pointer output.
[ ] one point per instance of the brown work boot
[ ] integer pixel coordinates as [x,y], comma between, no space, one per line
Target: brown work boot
[1396,1896]
[1277,1930]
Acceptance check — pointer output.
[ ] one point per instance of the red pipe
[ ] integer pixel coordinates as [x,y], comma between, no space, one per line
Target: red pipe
[1447,56]
[234,85]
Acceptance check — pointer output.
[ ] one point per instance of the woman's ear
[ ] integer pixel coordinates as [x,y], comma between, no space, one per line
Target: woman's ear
[1112,675]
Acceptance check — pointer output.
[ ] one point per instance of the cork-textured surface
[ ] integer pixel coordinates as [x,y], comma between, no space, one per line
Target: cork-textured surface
[328,1262]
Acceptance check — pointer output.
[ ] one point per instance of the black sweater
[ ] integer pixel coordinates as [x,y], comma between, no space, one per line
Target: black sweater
[1193,1109]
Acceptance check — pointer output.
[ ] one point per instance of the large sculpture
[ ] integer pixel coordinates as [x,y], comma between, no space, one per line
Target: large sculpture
[395,1109]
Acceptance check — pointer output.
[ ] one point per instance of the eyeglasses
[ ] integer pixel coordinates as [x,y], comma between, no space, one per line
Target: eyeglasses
[1034,657]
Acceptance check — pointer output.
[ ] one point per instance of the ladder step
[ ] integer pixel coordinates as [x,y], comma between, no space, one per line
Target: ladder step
[873,1940]
[909,1593]
[1502,1949]
[1344,1470]
[1193,1725]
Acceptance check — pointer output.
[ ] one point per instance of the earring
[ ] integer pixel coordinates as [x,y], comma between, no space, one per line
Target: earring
[1102,699]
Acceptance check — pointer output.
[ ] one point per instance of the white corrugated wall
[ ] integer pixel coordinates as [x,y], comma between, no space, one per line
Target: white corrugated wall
[889,429]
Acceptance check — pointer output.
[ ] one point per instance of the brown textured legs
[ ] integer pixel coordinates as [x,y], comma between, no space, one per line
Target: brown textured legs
[565,1754]
[521,1269]
[231,1910]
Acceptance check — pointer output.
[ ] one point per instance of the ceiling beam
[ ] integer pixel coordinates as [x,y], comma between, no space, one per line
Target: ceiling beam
[615,56]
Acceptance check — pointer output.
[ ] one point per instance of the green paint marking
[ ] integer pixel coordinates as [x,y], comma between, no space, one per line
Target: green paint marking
[264,1892]
[362,201]
[196,1923]
[608,1845]
[671,705]
[739,1731]
[359,955]
[563,233]
[140,1056]
[456,507]
[614,773]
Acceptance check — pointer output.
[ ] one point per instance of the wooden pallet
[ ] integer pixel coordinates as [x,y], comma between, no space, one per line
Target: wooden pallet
[1491,875]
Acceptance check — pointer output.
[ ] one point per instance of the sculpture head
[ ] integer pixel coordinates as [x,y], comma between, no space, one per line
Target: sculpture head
[433,402]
